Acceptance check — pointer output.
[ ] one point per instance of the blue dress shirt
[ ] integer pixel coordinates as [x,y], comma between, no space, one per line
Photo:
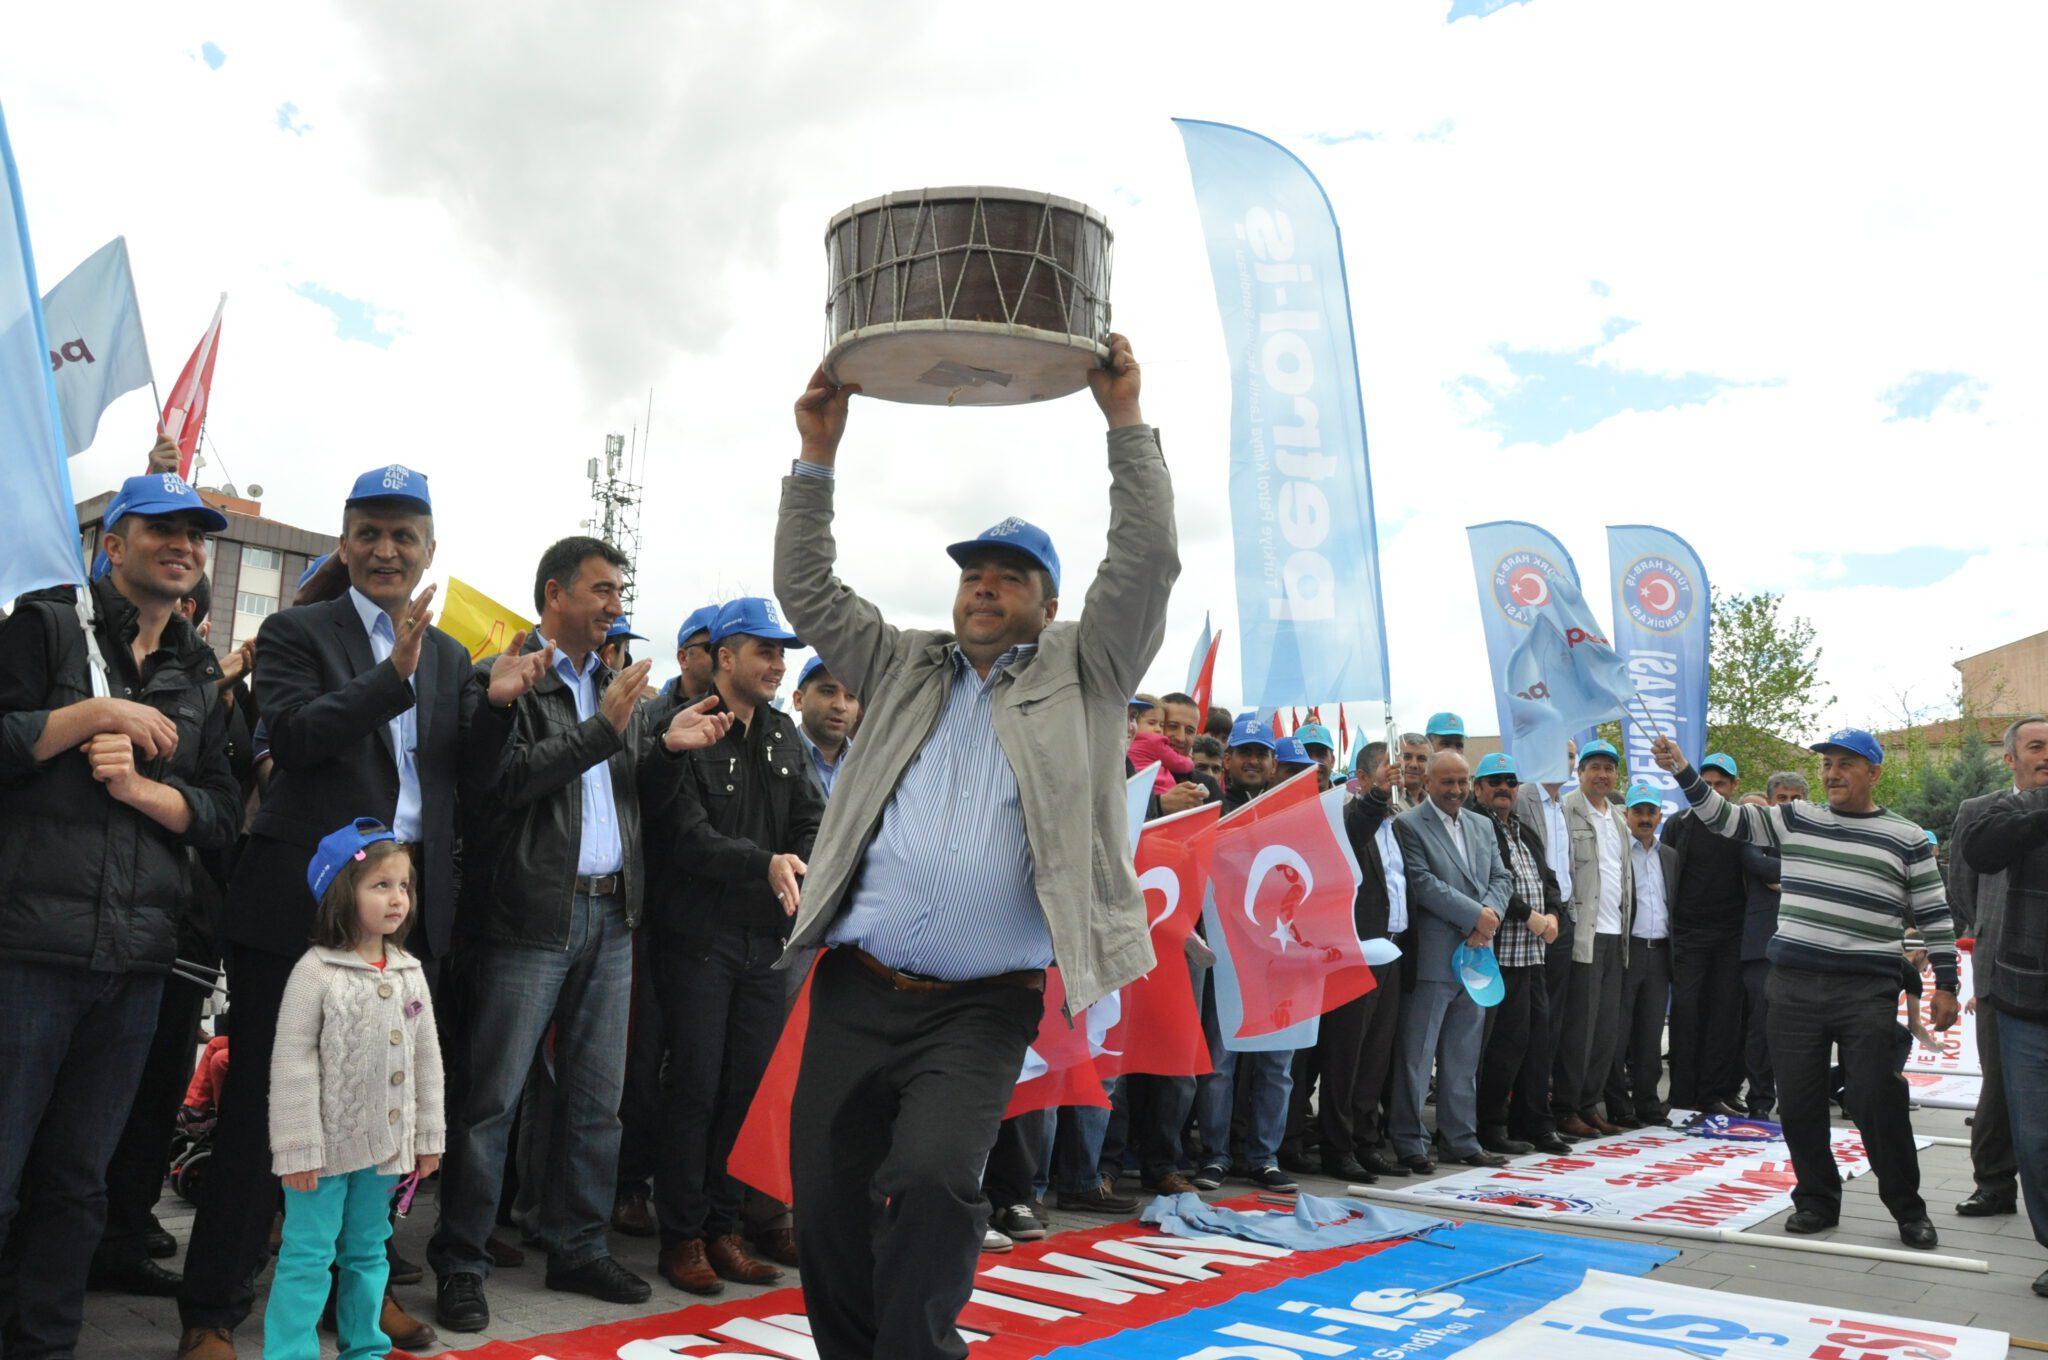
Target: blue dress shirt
[827,773]
[601,851]
[404,729]
[948,890]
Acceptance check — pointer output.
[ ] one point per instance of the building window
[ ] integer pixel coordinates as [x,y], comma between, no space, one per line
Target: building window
[261,557]
[256,605]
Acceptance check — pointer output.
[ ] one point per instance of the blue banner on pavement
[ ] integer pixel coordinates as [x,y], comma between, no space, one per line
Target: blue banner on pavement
[1514,563]
[1421,1298]
[38,521]
[1308,575]
[1662,616]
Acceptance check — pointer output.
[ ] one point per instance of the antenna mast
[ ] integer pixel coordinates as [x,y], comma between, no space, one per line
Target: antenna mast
[615,506]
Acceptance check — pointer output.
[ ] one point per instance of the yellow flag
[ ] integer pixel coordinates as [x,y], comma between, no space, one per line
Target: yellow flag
[479,622]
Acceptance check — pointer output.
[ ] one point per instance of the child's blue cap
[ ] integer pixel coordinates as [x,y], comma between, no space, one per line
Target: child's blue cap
[339,847]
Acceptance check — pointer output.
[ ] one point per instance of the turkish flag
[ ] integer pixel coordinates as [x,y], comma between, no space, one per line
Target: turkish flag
[185,412]
[1160,1032]
[1070,1077]
[1205,678]
[1285,882]
[760,1154]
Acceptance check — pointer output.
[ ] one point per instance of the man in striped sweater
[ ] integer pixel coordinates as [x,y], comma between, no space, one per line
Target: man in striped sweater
[1856,879]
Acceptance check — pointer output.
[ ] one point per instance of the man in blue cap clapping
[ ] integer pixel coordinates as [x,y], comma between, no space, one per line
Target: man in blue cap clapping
[693,655]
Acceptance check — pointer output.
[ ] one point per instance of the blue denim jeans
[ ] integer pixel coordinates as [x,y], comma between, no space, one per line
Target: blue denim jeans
[72,1046]
[343,1221]
[1066,1147]
[513,994]
[2023,1059]
[1271,1082]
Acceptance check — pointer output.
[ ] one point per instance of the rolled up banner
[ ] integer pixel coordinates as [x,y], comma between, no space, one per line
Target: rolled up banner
[1513,563]
[1310,622]
[1662,631]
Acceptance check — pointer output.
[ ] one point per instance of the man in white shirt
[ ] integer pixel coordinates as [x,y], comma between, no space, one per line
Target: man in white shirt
[1638,1067]
[1602,907]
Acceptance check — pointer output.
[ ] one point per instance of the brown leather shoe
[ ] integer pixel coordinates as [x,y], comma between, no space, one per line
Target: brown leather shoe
[407,1332]
[1574,1127]
[1173,1183]
[1602,1124]
[206,1343]
[728,1256]
[631,1217]
[684,1267]
[778,1245]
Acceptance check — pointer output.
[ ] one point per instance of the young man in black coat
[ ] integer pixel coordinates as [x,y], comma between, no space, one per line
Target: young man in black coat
[371,712]
[113,763]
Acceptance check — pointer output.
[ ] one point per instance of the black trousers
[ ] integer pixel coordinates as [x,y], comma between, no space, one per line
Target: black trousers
[135,1175]
[1756,1042]
[231,1232]
[1557,986]
[897,1104]
[723,1006]
[1158,1111]
[1514,1069]
[1012,1164]
[1706,1020]
[646,1046]
[1811,1013]
[1992,1159]
[1638,1067]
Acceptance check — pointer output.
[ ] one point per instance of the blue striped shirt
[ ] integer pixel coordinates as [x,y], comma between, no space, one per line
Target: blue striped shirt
[601,851]
[404,729]
[947,889]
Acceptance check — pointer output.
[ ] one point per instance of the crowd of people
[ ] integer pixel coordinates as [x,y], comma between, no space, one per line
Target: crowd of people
[531,928]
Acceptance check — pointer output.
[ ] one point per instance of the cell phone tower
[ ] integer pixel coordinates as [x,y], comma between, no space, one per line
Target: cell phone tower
[615,503]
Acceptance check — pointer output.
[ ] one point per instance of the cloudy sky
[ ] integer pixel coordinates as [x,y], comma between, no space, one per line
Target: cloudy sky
[1768,275]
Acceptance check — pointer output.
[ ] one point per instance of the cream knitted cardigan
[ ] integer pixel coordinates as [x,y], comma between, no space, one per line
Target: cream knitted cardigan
[355,1079]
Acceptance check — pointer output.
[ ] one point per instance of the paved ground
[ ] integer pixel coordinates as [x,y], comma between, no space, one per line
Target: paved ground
[119,1328]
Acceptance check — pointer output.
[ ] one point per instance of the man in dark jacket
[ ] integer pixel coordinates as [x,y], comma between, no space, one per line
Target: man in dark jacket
[1514,1067]
[1706,957]
[552,889]
[105,781]
[734,823]
[369,711]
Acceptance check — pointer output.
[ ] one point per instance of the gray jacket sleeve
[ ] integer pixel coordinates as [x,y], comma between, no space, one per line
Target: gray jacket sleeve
[846,630]
[1123,620]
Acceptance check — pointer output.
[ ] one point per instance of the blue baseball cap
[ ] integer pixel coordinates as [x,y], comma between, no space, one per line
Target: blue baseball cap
[1722,761]
[1290,751]
[1598,748]
[1855,741]
[811,668]
[311,567]
[1139,703]
[160,493]
[700,621]
[1252,730]
[394,483]
[1479,970]
[1640,794]
[754,616]
[1315,734]
[1932,839]
[339,847]
[623,628]
[1444,725]
[1018,536]
[1496,764]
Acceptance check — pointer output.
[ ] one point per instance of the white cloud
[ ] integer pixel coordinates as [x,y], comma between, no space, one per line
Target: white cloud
[569,205]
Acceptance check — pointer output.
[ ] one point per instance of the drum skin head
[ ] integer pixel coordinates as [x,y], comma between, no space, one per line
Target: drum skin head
[963,363]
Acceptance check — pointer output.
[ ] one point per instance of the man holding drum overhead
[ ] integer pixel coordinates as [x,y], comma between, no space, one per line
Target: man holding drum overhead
[978,839]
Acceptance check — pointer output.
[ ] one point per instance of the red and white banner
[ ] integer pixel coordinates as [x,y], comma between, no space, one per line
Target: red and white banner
[1731,1179]
[1944,1091]
[1625,1317]
[1957,1056]
[1160,1030]
[185,408]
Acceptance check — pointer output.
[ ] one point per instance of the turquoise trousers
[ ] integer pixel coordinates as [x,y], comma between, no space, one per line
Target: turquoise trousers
[344,1221]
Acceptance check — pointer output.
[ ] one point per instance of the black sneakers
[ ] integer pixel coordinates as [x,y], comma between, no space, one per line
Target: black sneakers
[601,1278]
[459,1303]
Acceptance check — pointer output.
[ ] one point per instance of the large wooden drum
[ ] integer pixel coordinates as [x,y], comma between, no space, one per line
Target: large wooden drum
[967,296]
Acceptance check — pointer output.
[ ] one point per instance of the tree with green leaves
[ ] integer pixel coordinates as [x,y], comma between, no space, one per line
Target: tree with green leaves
[1764,693]
[1932,790]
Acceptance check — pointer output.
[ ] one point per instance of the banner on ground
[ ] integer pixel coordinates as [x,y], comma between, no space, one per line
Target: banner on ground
[1939,1092]
[1662,617]
[479,622]
[96,347]
[1513,563]
[1736,1175]
[38,519]
[1310,623]
[1562,676]
[1957,1056]
[1620,1317]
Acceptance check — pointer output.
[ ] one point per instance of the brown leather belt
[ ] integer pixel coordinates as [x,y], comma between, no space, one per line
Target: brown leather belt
[1031,979]
[598,885]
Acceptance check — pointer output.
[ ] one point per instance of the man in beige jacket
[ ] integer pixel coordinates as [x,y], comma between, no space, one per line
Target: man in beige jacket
[975,837]
[1602,906]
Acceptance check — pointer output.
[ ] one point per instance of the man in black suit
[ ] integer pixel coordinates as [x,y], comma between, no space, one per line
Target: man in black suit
[371,712]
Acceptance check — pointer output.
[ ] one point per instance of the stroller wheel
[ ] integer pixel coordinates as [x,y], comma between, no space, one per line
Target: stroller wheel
[189,1175]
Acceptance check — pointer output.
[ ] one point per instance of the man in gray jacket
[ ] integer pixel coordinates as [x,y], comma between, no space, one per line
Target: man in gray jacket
[978,839]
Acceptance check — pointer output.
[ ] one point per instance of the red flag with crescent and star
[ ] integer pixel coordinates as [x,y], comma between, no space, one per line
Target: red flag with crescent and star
[1286,882]
[1160,1032]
